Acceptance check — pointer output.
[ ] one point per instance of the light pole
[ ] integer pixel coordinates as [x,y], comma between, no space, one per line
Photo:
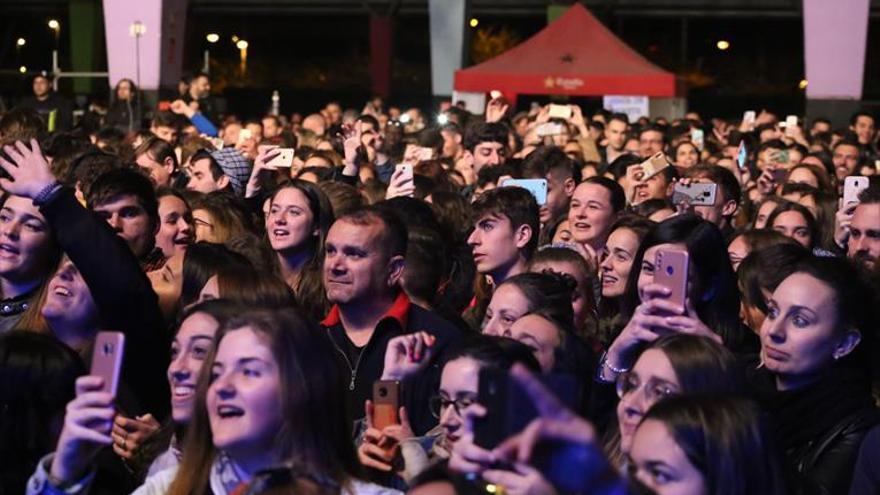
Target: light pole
[212,38]
[137,30]
[242,46]
[55,26]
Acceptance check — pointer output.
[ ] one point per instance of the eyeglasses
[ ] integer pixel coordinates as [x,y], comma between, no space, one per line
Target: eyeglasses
[654,389]
[438,404]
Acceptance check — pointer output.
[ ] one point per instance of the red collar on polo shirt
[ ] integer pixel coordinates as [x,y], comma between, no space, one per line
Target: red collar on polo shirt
[399,311]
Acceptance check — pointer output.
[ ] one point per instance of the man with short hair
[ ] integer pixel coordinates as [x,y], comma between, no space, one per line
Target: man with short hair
[652,140]
[315,123]
[486,145]
[820,125]
[158,158]
[562,175]
[615,137]
[505,234]
[166,126]
[56,111]
[365,256]
[863,125]
[126,200]
[199,91]
[863,239]
[727,195]
[845,155]
[219,170]
[271,126]
[595,205]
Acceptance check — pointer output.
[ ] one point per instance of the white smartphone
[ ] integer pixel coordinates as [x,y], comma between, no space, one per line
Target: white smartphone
[791,123]
[284,158]
[560,111]
[406,171]
[852,187]
[749,118]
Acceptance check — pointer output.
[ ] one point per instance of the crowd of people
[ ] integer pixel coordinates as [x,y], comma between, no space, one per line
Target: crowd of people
[281,281]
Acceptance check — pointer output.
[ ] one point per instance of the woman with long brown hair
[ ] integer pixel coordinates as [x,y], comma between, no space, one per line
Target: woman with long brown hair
[299,217]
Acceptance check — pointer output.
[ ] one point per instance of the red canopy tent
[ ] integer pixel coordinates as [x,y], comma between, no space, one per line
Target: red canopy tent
[575,55]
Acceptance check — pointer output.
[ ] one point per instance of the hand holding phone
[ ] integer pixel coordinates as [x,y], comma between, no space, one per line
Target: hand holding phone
[654,165]
[695,193]
[852,187]
[560,111]
[671,271]
[107,359]
[283,158]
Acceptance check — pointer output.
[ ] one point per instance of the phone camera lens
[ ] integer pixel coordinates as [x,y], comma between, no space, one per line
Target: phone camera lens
[670,270]
[108,349]
[383,392]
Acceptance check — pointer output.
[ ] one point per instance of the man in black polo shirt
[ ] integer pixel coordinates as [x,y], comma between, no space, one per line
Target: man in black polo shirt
[363,267]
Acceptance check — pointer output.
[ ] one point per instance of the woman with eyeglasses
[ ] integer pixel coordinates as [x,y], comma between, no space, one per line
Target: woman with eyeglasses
[457,395]
[676,364]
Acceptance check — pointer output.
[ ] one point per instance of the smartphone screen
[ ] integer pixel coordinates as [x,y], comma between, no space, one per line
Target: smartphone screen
[107,359]
[742,155]
[386,403]
[671,271]
[538,188]
[697,137]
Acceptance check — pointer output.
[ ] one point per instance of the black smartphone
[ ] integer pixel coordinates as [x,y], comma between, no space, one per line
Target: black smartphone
[508,408]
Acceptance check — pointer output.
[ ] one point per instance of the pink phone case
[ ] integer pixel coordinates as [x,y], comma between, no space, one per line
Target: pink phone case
[107,359]
[671,271]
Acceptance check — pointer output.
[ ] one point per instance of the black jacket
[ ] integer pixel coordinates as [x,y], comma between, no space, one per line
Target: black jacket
[123,295]
[124,115]
[416,390]
[63,117]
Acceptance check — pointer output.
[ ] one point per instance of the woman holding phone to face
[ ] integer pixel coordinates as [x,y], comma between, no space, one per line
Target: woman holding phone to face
[72,462]
[814,375]
[267,396]
[456,398]
[711,302]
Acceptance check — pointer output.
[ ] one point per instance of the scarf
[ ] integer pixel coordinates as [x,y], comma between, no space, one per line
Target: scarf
[806,414]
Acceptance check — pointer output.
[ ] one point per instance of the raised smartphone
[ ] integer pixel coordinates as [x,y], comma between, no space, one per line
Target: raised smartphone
[852,187]
[284,158]
[791,123]
[559,111]
[654,165]
[695,193]
[538,188]
[698,138]
[386,403]
[671,271]
[107,359]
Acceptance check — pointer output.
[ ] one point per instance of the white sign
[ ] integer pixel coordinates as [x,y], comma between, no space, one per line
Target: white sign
[474,103]
[635,107]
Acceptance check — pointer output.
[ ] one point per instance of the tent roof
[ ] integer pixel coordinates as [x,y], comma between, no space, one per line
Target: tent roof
[574,55]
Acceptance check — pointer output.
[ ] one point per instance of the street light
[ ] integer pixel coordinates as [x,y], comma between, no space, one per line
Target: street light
[54,25]
[803,84]
[723,45]
[242,46]
[212,37]
[136,31]
[474,22]
[21,42]
[22,69]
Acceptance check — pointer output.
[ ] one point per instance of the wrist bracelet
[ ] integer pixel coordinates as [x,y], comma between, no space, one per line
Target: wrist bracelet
[603,364]
[46,193]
